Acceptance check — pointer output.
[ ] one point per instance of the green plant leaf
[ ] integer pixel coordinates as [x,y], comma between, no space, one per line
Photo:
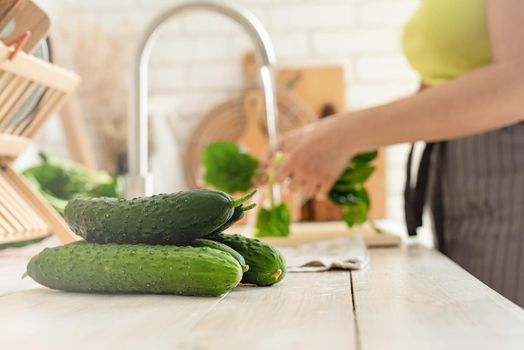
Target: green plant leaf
[364,158]
[58,181]
[229,168]
[274,221]
[357,175]
[354,195]
[348,196]
[349,192]
[113,188]
[57,203]
[364,197]
[355,214]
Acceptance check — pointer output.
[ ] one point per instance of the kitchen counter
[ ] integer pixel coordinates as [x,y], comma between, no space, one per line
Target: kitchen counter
[408,298]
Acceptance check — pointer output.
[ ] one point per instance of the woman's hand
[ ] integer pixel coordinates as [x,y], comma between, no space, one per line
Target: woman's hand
[314,157]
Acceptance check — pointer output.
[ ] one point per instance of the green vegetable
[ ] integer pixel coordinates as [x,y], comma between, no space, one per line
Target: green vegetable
[59,181]
[364,158]
[111,188]
[231,169]
[22,243]
[123,268]
[228,167]
[273,221]
[57,203]
[238,214]
[355,214]
[349,191]
[200,242]
[353,176]
[176,218]
[267,266]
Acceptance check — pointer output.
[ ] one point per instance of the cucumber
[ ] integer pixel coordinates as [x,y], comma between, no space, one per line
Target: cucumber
[125,268]
[238,214]
[267,266]
[200,242]
[175,218]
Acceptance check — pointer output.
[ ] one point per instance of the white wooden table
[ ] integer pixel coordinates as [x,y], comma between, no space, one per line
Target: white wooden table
[409,298]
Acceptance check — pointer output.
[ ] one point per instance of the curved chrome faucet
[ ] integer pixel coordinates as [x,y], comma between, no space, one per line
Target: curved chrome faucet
[139,181]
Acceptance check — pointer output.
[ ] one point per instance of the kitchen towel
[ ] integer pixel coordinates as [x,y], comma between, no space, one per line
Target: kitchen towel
[342,253]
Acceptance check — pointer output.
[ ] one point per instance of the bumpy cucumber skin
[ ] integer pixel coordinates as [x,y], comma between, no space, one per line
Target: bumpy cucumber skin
[125,268]
[200,242]
[175,218]
[267,266]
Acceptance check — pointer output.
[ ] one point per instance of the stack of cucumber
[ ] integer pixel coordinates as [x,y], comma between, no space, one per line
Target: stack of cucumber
[168,244]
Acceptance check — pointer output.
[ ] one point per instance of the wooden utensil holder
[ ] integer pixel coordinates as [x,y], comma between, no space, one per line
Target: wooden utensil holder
[24,214]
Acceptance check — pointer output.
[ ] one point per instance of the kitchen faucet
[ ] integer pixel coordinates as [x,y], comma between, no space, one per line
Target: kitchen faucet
[139,181]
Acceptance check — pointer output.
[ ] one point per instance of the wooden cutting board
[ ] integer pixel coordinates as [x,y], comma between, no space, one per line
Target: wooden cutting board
[323,89]
[307,232]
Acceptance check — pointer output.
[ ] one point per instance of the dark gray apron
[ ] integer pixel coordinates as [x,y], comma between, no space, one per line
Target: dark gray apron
[475,190]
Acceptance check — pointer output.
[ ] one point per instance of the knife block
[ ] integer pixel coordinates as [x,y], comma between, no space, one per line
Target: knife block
[24,214]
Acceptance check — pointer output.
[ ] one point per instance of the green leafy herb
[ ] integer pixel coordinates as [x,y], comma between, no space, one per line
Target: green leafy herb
[349,191]
[364,158]
[58,181]
[57,203]
[273,221]
[112,188]
[228,167]
[231,169]
[354,175]
[355,214]
[351,196]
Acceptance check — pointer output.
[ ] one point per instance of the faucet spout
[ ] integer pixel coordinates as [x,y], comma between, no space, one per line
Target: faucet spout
[139,181]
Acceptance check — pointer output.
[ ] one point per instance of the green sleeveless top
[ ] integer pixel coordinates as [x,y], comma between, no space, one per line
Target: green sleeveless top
[447,38]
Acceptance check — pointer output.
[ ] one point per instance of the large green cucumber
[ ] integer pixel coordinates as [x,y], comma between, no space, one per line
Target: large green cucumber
[175,218]
[267,266]
[238,214]
[138,268]
[200,242]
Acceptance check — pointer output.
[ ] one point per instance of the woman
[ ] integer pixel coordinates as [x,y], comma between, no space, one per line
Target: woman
[470,55]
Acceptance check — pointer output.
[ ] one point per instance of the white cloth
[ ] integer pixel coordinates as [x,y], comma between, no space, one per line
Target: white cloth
[342,253]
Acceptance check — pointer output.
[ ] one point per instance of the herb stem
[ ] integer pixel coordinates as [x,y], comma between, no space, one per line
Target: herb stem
[279,161]
[271,183]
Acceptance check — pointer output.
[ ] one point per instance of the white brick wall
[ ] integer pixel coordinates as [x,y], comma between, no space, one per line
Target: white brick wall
[310,15]
[196,62]
[383,69]
[356,41]
[385,13]
[205,49]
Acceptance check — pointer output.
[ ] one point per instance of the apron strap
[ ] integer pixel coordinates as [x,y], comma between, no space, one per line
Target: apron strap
[415,197]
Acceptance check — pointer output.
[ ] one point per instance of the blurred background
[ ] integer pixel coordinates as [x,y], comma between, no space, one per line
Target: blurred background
[198,63]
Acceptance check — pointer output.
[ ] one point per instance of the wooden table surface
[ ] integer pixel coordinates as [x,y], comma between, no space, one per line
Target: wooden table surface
[408,298]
